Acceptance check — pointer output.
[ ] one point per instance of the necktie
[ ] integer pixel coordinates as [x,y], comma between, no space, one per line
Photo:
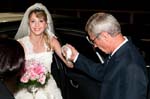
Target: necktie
[108,59]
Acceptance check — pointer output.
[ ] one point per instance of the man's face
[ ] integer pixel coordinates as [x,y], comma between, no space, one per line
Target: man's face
[101,41]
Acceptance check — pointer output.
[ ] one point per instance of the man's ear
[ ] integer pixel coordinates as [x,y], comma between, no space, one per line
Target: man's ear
[106,36]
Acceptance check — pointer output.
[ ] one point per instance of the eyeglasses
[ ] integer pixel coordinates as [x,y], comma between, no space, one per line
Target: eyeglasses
[92,41]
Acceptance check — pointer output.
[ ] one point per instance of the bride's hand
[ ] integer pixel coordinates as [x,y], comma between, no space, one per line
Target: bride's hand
[69,64]
[70,53]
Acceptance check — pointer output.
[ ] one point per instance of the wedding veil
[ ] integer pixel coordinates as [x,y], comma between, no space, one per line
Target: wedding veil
[24,30]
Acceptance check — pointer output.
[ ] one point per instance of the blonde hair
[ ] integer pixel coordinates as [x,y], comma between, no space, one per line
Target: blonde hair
[41,14]
[24,29]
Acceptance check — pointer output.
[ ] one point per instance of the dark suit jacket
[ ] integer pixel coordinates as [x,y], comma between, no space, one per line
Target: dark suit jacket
[123,77]
[4,92]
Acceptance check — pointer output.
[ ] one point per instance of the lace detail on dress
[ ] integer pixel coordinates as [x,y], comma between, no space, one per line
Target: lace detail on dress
[43,57]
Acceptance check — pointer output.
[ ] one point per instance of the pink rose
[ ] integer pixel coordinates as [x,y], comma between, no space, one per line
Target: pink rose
[39,69]
[33,75]
[42,79]
[24,79]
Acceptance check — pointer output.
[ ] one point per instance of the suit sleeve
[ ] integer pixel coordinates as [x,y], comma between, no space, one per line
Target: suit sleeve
[95,70]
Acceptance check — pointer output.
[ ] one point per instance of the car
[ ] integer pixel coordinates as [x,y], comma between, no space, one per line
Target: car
[74,84]
[79,85]
[9,22]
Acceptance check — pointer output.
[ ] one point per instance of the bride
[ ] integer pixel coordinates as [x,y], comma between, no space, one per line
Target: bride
[36,35]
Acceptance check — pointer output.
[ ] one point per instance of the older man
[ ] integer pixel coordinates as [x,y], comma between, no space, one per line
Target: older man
[123,74]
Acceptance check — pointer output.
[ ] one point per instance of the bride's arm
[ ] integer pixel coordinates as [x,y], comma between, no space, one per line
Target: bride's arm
[57,48]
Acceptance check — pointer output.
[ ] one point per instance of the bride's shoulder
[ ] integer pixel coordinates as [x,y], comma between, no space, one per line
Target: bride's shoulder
[24,42]
[24,39]
[54,40]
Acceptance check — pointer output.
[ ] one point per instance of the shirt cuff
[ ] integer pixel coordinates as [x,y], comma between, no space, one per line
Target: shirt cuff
[76,57]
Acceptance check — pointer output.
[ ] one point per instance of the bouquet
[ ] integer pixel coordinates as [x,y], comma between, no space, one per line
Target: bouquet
[35,74]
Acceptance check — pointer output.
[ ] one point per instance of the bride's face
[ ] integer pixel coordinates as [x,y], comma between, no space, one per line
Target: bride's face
[37,24]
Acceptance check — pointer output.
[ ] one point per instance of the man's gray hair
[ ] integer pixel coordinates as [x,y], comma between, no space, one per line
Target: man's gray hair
[103,22]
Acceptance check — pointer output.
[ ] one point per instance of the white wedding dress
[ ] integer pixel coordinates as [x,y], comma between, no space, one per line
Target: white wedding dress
[50,91]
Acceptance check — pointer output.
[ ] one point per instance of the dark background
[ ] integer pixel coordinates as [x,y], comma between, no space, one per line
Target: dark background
[130,5]
[126,11]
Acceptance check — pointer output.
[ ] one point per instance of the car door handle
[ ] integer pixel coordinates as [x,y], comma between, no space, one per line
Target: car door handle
[75,85]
